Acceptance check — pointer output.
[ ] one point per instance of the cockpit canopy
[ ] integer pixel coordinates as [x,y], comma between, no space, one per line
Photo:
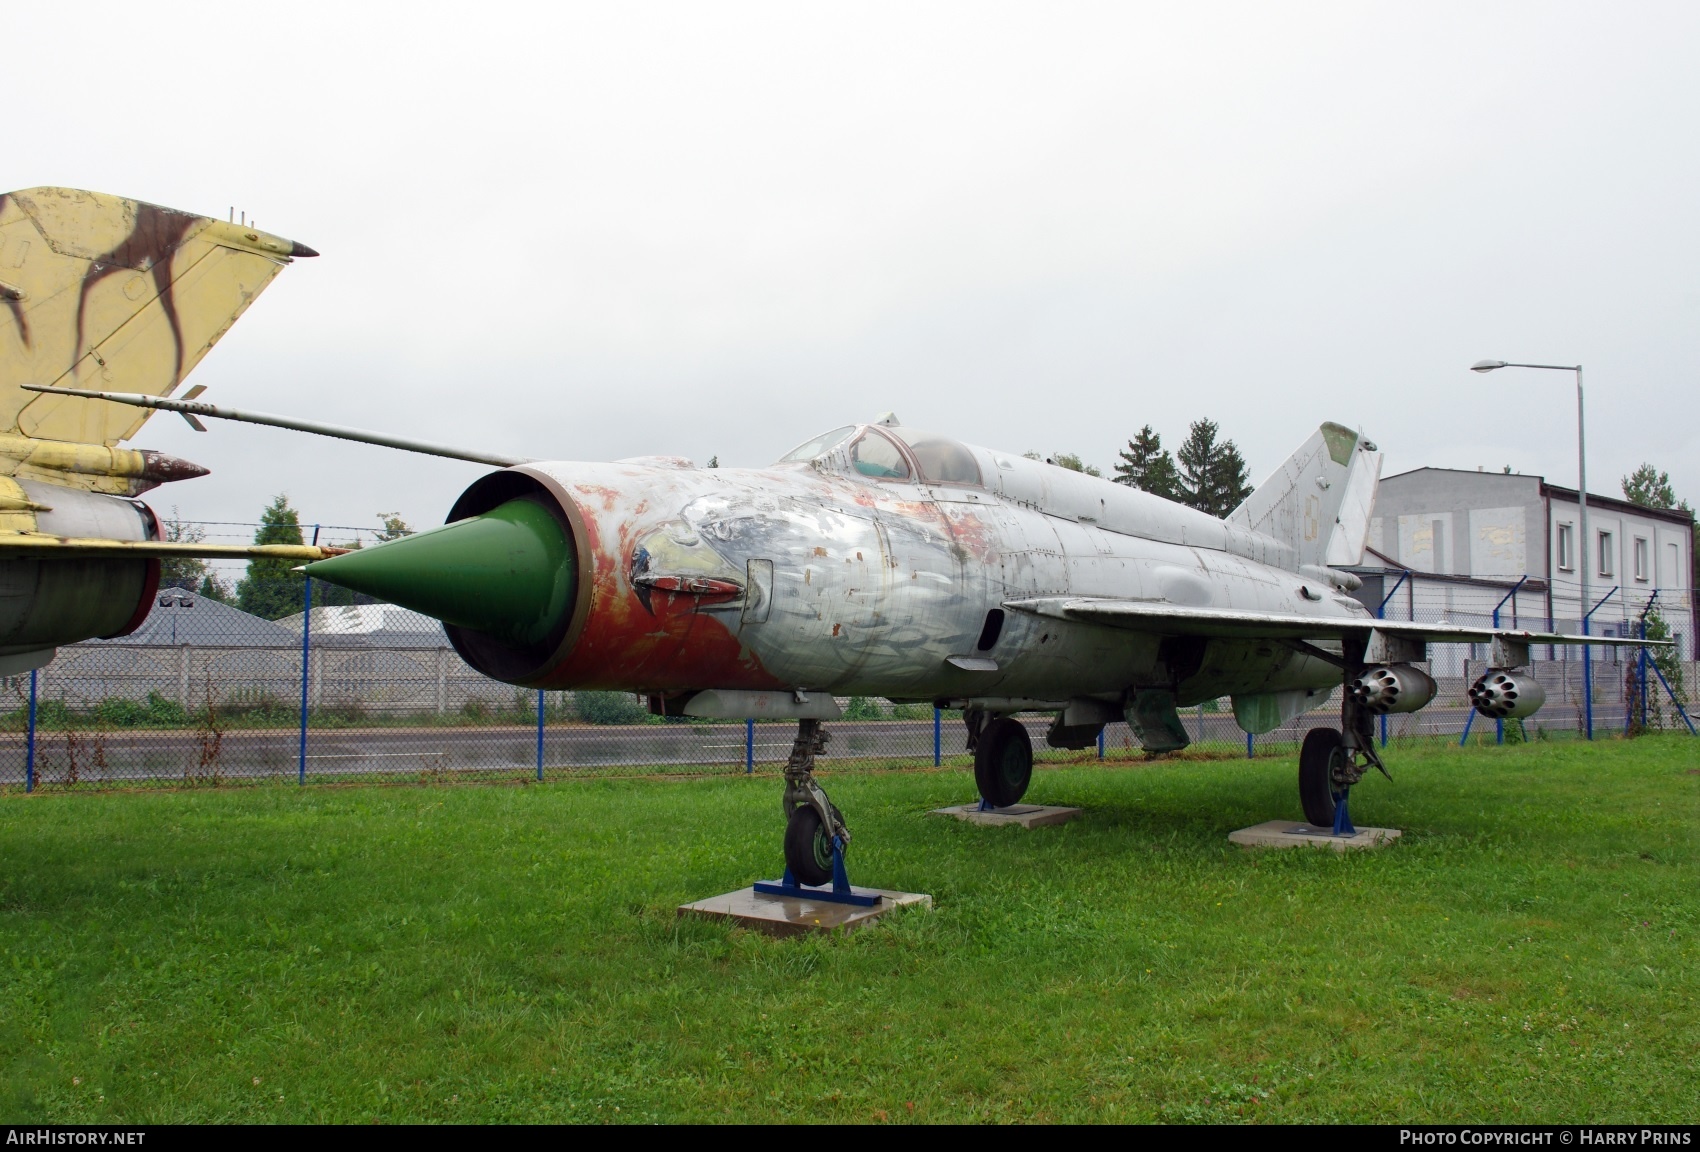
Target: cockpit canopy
[942,461]
[875,451]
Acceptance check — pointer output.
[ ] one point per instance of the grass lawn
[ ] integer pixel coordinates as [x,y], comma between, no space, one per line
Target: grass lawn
[1526,953]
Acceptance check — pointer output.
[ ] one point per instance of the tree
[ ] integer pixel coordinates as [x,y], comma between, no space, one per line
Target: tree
[272,589]
[213,587]
[1146,465]
[394,528]
[181,571]
[1650,488]
[1212,476]
[189,572]
[1232,479]
[1073,463]
[714,461]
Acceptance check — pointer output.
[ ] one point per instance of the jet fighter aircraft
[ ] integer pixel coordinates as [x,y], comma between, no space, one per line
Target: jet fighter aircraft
[101,290]
[880,560]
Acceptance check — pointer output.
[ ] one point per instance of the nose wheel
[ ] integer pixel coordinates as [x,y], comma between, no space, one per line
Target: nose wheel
[808,846]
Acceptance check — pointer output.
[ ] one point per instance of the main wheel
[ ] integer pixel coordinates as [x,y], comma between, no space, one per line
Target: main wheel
[808,846]
[1317,756]
[1003,762]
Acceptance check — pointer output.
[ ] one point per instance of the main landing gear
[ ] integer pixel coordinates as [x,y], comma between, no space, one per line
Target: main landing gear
[1003,758]
[1331,762]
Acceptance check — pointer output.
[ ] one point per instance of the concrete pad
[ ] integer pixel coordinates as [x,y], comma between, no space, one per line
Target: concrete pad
[1287,834]
[795,915]
[1026,815]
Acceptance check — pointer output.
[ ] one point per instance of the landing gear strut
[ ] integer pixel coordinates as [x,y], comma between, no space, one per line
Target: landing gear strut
[815,835]
[1331,762]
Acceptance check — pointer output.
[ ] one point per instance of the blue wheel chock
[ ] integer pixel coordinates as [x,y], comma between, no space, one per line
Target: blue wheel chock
[1342,821]
[840,893]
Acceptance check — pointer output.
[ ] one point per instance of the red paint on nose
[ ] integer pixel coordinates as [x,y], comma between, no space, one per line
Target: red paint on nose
[669,646]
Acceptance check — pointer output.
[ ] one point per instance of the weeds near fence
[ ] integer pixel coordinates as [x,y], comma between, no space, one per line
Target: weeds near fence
[209,740]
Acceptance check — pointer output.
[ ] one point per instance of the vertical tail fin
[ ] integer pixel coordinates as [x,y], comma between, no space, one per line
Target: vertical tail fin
[101,292]
[1320,500]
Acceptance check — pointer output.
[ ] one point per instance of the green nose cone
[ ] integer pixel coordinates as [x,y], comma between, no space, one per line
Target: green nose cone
[508,573]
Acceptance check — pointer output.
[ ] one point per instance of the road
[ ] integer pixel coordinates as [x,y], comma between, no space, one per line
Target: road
[91,756]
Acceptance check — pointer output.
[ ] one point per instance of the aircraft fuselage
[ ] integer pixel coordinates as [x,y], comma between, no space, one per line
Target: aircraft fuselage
[797,577]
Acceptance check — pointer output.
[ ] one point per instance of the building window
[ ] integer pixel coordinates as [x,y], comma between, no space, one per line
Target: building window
[1566,546]
[1640,558]
[1605,554]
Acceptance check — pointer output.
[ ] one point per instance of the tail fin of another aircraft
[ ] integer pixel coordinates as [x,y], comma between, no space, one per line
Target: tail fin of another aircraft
[1319,501]
[118,295]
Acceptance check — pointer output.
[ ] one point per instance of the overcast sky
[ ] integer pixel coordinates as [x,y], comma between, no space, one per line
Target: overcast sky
[599,230]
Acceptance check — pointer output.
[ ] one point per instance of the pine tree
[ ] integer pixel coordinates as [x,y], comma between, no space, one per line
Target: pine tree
[271,589]
[1147,466]
[1212,475]
[213,587]
[1649,488]
[1231,480]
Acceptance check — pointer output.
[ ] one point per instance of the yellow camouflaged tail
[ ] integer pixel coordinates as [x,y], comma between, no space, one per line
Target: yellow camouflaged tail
[101,292]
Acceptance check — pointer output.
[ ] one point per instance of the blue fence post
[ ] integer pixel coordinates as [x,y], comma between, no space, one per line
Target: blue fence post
[750,746]
[1380,614]
[1249,752]
[29,748]
[1588,662]
[938,729]
[1677,704]
[540,735]
[1100,743]
[1641,674]
[306,639]
[1499,723]
[1642,677]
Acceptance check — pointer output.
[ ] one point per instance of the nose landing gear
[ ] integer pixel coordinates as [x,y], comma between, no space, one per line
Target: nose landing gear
[815,835]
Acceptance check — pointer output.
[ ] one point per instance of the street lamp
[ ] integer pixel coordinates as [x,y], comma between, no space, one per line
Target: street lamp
[1585,543]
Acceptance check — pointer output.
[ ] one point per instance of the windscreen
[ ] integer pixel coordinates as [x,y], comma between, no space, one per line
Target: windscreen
[809,449]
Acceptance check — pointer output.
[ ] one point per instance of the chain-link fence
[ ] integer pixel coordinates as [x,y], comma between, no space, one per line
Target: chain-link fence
[203,692]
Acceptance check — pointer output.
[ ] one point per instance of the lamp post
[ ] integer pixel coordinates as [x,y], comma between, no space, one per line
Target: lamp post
[1584,543]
